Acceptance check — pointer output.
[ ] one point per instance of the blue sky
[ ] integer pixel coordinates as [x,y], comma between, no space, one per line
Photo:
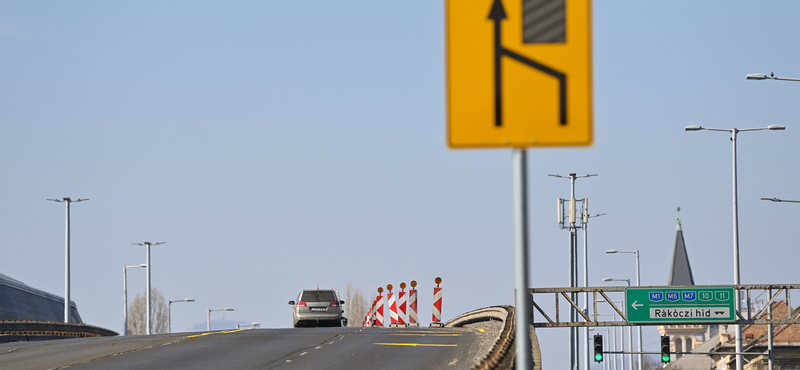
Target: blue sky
[275,145]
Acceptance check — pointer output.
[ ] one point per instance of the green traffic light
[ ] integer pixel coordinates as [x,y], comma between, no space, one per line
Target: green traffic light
[665,358]
[598,357]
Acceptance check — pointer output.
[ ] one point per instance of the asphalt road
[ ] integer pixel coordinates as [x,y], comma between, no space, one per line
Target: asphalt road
[302,348]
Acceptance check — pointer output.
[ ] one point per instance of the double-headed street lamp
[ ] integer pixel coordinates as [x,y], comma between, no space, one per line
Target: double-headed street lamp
[208,315]
[148,244]
[169,310]
[67,202]
[736,280]
[125,294]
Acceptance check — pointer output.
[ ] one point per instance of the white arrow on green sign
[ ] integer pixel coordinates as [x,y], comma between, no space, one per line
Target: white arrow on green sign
[680,304]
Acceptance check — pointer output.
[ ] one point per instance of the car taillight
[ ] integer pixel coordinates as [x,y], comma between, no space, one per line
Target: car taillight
[334,304]
[301,304]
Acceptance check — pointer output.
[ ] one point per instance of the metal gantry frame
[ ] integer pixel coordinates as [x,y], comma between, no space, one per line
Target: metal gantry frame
[601,298]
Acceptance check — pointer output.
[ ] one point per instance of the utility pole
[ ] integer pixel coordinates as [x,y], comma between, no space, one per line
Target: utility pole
[574,223]
[66,201]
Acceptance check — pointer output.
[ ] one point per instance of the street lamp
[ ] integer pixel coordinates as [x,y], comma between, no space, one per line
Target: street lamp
[586,216]
[208,315]
[761,76]
[125,294]
[780,200]
[169,310]
[148,244]
[67,202]
[630,328]
[614,337]
[734,132]
[638,283]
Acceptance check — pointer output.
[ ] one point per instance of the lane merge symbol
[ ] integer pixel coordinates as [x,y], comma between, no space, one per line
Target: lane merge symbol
[497,14]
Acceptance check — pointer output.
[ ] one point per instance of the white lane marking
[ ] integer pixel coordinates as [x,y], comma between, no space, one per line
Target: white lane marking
[330,343]
[318,347]
[288,360]
[303,353]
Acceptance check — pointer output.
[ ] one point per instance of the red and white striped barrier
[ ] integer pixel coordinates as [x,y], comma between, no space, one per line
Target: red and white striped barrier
[402,297]
[413,320]
[437,304]
[378,311]
[370,314]
[392,303]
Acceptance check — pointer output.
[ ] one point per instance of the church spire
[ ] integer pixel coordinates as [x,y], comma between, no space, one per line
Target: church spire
[680,273]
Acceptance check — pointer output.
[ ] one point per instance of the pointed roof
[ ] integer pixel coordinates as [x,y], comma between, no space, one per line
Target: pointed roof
[680,273]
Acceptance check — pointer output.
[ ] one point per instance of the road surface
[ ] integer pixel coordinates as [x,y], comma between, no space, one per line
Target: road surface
[302,348]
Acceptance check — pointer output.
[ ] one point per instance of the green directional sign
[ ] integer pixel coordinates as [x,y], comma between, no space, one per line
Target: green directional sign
[680,304]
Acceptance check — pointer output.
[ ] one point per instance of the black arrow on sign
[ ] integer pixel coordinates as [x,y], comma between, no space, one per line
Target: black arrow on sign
[497,14]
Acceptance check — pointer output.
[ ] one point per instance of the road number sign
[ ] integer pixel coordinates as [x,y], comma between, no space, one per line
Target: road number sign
[519,73]
[680,304]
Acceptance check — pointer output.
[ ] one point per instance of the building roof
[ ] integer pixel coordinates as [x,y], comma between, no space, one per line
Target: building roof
[19,301]
[680,273]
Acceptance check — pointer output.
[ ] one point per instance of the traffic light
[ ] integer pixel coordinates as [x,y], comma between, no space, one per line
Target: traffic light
[598,348]
[665,349]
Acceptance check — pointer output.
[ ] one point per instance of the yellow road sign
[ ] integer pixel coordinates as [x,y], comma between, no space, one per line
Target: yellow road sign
[519,73]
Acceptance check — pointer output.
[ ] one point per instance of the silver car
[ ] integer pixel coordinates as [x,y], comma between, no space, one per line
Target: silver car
[319,307]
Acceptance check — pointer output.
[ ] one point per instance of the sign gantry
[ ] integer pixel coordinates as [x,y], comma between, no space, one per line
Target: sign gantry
[663,305]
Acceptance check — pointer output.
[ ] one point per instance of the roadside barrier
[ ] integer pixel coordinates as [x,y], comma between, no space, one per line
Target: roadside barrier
[402,297]
[368,319]
[413,320]
[501,356]
[392,303]
[437,304]
[378,312]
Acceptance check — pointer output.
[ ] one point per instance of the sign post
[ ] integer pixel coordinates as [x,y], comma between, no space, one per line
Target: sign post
[680,304]
[518,76]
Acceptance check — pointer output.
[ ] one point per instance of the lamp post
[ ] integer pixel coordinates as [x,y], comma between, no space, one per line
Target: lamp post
[208,315]
[770,329]
[148,244]
[169,310]
[736,276]
[761,76]
[125,294]
[586,354]
[67,202]
[638,283]
[614,337]
[630,328]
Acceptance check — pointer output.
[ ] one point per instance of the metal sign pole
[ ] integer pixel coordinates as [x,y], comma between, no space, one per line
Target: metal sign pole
[524,357]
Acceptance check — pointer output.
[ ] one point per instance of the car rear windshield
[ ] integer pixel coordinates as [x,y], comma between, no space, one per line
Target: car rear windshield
[318,296]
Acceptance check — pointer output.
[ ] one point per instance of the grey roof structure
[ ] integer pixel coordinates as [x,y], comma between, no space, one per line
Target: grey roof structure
[22,302]
[680,273]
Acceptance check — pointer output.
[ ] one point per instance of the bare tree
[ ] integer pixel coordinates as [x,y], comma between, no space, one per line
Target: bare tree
[137,322]
[356,305]
[651,363]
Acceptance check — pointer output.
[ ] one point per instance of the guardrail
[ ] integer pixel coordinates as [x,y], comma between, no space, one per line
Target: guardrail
[502,354]
[16,331]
